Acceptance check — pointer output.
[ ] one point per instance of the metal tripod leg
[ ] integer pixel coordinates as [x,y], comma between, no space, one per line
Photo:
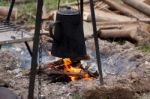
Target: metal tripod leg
[96,41]
[10,10]
[28,47]
[35,49]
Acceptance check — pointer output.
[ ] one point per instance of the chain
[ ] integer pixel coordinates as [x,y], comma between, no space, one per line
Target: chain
[40,64]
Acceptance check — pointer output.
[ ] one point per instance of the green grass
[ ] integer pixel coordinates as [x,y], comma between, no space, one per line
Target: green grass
[144,48]
[30,7]
[27,8]
[52,4]
[76,96]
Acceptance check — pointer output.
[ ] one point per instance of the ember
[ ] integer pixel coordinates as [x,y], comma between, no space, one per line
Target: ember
[68,67]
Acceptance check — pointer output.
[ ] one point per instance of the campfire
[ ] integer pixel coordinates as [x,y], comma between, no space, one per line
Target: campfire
[77,69]
[66,70]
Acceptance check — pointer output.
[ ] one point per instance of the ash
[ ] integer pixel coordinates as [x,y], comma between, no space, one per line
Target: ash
[124,68]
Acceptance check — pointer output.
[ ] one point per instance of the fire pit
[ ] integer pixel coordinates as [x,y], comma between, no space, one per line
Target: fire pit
[66,70]
[120,68]
[63,40]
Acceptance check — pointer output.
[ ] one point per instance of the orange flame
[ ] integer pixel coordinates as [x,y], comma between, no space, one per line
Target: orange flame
[77,69]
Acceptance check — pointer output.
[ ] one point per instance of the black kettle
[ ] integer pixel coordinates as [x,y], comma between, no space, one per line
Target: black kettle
[68,36]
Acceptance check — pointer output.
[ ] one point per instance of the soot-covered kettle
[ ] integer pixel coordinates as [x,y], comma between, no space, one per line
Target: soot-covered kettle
[68,35]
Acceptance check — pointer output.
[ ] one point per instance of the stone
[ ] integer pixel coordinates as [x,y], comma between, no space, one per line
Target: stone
[5,93]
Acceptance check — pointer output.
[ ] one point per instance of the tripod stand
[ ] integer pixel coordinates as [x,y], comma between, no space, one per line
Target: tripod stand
[36,44]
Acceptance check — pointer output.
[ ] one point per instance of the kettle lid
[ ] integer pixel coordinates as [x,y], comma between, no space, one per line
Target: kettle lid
[68,11]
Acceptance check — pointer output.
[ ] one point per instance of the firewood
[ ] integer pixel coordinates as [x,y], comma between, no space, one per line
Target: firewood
[64,73]
[145,20]
[4,12]
[111,26]
[44,11]
[116,23]
[118,33]
[125,9]
[53,71]
[48,16]
[138,4]
[57,68]
[107,16]
[104,15]
[101,5]
[147,2]
[134,32]
[55,64]
[60,64]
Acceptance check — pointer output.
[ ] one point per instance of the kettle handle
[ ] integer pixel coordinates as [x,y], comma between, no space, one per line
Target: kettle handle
[51,25]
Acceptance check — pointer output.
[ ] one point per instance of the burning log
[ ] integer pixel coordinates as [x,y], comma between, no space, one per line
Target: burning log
[140,5]
[54,65]
[65,67]
[60,72]
[4,12]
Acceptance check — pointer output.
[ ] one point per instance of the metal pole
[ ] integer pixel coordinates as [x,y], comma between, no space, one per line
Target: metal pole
[28,47]
[35,49]
[96,41]
[81,9]
[10,10]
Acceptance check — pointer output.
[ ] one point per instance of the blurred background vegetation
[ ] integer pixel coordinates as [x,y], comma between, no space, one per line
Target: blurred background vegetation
[31,5]
[30,8]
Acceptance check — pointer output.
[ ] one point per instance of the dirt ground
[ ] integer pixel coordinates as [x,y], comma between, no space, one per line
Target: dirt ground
[126,75]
